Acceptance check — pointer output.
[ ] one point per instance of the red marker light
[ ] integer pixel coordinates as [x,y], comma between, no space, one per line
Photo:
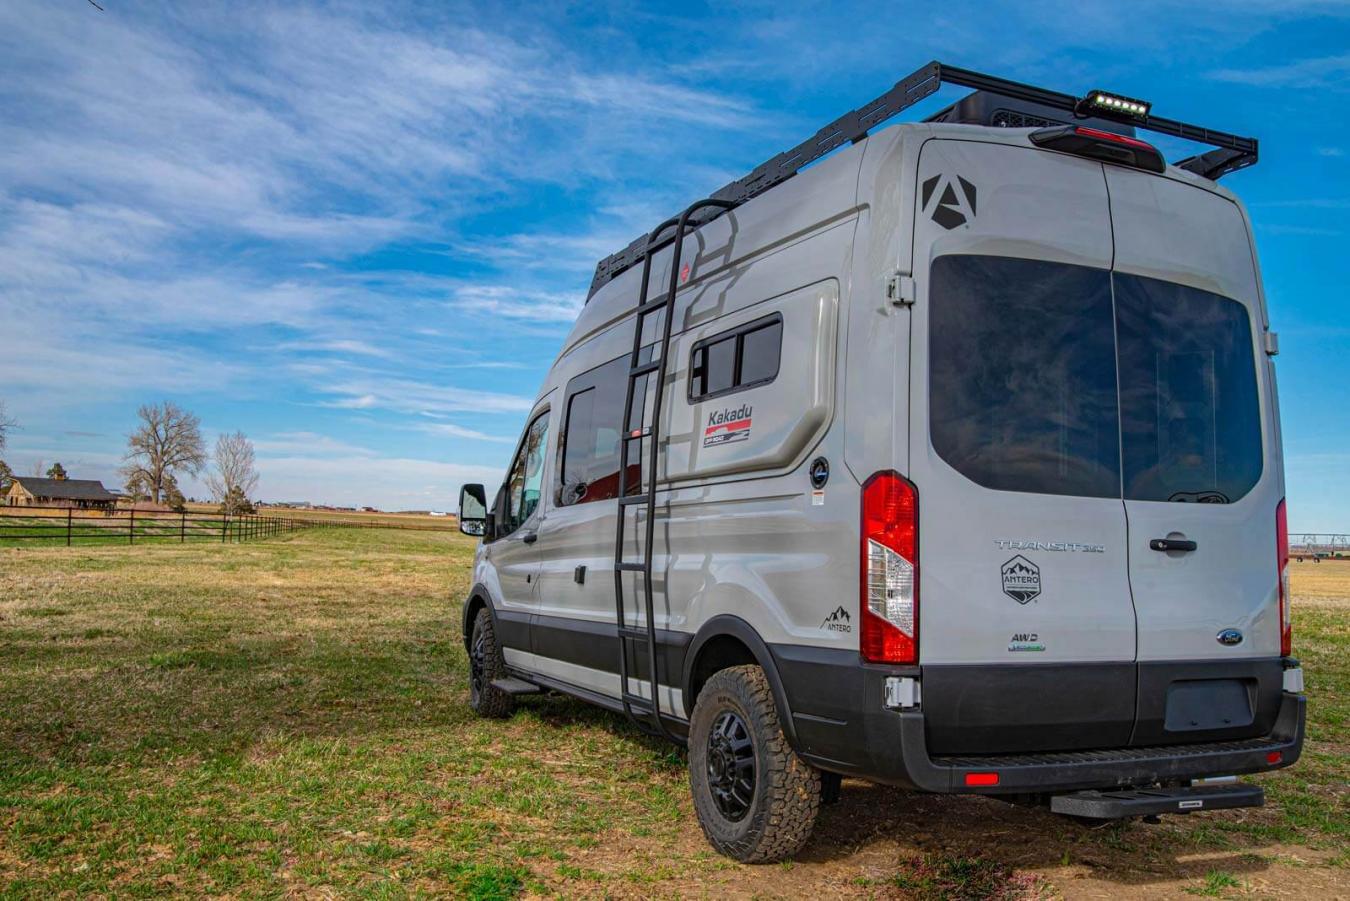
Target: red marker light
[684,273]
[978,779]
[1112,136]
[1274,757]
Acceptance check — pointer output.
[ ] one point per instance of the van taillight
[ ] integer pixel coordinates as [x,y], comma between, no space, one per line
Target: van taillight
[1282,561]
[890,570]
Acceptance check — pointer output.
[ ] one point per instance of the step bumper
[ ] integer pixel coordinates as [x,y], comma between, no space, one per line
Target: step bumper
[1115,805]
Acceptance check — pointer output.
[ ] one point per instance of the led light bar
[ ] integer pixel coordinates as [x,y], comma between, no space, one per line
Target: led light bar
[1106,102]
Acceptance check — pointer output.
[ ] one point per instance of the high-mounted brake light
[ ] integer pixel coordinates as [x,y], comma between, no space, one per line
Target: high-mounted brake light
[1282,568]
[1100,145]
[890,570]
[1104,102]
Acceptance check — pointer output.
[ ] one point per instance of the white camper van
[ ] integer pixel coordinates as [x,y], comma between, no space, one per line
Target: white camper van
[951,461]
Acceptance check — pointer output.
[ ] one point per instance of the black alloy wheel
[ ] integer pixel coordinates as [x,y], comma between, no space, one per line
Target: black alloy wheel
[731,766]
[756,800]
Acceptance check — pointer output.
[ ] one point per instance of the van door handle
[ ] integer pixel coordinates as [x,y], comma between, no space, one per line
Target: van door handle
[1172,544]
[532,537]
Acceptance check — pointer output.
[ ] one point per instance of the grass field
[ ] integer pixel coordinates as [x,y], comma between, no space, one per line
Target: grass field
[289,717]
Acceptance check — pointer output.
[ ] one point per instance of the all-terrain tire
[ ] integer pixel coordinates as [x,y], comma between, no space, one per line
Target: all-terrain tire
[736,705]
[485,665]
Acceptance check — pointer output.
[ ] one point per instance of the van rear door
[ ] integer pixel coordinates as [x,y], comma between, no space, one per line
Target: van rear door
[1026,625]
[1200,461]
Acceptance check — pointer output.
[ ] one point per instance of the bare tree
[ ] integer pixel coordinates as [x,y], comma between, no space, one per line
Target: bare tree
[168,441]
[6,424]
[236,474]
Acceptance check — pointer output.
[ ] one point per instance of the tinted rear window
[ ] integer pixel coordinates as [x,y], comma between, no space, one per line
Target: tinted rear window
[1190,424]
[1023,376]
[1025,360]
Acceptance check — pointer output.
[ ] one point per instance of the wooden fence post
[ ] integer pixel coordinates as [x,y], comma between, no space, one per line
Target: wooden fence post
[182,529]
[68,515]
[131,527]
[224,524]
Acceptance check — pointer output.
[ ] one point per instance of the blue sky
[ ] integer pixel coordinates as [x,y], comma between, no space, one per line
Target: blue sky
[358,231]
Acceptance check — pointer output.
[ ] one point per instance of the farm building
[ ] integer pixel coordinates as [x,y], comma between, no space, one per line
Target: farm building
[86,494]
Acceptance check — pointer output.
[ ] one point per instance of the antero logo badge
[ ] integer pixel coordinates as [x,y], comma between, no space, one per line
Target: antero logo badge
[955,200]
[1021,580]
[838,620]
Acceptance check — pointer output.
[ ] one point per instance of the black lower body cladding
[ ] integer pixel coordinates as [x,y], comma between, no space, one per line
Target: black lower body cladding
[1018,721]
[1046,727]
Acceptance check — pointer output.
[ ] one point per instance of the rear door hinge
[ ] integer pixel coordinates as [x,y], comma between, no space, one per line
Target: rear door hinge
[900,290]
[1272,344]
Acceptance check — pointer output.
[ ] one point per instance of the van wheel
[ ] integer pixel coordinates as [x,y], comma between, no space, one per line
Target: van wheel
[485,665]
[756,800]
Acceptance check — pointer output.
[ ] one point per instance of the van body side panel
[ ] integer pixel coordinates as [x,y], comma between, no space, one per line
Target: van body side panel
[769,427]
[1205,427]
[727,519]
[1023,583]
[875,373]
[750,539]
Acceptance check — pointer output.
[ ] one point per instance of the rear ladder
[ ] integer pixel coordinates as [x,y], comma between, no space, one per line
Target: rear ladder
[645,713]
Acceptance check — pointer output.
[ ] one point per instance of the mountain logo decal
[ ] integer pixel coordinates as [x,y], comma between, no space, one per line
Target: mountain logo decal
[955,200]
[838,620]
[1021,580]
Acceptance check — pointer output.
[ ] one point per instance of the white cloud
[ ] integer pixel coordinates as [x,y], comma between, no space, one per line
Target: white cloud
[516,303]
[409,396]
[303,443]
[336,346]
[1320,72]
[388,482]
[455,431]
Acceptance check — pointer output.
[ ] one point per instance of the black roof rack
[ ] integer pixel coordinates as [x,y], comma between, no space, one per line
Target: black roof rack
[1232,152]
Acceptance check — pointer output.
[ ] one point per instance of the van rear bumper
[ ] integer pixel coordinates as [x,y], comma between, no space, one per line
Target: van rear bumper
[898,755]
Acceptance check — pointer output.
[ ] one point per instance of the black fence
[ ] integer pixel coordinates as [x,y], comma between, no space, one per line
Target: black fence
[70,526]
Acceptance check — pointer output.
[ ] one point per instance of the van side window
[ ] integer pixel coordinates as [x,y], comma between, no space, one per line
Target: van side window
[1190,414]
[524,482]
[744,357]
[1022,375]
[589,468]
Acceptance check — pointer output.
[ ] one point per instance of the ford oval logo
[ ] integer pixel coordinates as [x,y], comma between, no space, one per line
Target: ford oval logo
[1230,637]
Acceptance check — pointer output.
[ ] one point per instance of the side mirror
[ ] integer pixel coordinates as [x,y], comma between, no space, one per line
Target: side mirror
[473,510]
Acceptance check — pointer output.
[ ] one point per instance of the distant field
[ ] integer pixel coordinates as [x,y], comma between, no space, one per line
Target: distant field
[289,718]
[402,520]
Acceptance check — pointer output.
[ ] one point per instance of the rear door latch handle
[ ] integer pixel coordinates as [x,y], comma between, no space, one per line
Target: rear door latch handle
[1172,544]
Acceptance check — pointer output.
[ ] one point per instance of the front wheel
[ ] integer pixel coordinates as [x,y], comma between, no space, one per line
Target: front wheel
[756,800]
[485,665]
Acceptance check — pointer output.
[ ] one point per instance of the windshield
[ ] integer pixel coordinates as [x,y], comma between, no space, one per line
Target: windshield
[1060,379]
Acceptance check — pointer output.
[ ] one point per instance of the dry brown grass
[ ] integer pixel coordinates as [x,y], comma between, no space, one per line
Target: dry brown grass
[288,718]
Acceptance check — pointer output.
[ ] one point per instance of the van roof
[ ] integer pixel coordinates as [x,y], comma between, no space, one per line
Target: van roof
[1232,152]
[823,192]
